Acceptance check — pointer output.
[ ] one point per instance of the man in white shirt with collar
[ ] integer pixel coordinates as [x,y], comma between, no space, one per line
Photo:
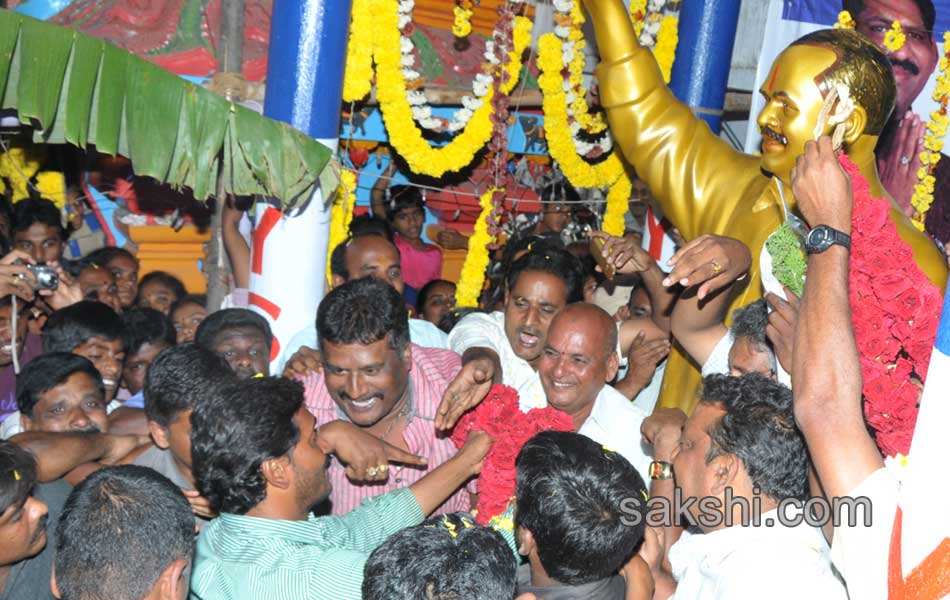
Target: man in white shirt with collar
[741,442]
[505,347]
[578,360]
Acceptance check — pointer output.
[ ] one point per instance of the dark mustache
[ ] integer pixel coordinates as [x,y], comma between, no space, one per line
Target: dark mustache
[92,428]
[907,65]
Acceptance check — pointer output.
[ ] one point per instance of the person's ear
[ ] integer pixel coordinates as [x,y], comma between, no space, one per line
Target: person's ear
[170,582]
[159,435]
[407,357]
[856,124]
[26,423]
[336,281]
[277,472]
[54,587]
[613,365]
[525,539]
[724,471]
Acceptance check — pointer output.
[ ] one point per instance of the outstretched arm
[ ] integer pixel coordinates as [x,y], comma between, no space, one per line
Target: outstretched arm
[828,392]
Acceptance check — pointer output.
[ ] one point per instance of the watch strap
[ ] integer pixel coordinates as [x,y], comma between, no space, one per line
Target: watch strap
[660,469]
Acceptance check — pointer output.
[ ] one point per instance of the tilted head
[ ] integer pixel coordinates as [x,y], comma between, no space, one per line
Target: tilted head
[802,77]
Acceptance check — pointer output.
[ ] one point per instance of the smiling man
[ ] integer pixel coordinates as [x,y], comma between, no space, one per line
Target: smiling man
[375,378]
[578,360]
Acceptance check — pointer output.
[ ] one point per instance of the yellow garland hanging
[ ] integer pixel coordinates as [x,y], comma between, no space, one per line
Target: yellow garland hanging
[52,186]
[472,278]
[358,78]
[462,24]
[638,12]
[404,135]
[845,21]
[593,123]
[17,166]
[923,195]
[894,38]
[342,213]
[666,41]
[618,199]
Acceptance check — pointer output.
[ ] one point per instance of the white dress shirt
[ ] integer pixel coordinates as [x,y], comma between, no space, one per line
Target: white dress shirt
[740,563]
[614,422]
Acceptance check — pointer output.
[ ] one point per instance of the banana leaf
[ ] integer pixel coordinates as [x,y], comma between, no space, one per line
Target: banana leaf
[73,88]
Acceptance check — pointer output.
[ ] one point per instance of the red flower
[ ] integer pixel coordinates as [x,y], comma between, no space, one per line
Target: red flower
[888,286]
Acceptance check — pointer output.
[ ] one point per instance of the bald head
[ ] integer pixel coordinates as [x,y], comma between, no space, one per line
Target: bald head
[590,320]
[375,256]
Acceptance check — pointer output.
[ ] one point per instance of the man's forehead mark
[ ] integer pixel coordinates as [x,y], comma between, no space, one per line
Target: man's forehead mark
[774,77]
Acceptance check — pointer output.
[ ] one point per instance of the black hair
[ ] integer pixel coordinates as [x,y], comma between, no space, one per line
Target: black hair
[402,197]
[47,371]
[368,224]
[234,431]
[179,379]
[446,557]
[231,318]
[750,321]
[37,210]
[75,324]
[759,428]
[451,318]
[168,280]
[199,299]
[146,326]
[17,475]
[519,242]
[363,311]
[928,13]
[573,495]
[115,514]
[103,256]
[555,261]
[424,292]
[338,260]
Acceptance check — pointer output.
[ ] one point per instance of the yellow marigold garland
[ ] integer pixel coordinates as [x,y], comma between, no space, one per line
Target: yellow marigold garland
[52,186]
[894,38]
[342,212]
[17,165]
[472,277]
[358,78]
[666,41]
[638,12]
[404,135]
[593,123]
[845,21]
[923,195]
[618,199]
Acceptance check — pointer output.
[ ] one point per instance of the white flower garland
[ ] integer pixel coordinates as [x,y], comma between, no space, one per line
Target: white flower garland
[421,111]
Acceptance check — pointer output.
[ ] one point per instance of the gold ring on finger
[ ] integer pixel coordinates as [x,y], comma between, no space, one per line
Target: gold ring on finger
[371,472]
[382,468]
[716,267]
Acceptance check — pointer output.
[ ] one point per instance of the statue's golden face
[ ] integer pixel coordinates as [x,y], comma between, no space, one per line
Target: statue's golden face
[792,104]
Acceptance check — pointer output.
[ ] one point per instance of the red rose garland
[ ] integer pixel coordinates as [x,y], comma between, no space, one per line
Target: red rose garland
[498,415]
[894,311]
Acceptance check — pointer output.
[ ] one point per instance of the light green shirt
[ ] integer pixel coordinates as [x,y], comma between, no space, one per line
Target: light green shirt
[240,557]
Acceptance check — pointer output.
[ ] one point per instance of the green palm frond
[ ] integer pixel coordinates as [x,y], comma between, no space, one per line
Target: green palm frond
[76,89]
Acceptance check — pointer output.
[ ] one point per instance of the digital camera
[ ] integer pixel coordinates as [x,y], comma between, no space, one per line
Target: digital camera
[46,277]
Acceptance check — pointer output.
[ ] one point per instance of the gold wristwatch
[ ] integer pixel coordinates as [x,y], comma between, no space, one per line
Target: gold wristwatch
[661,470]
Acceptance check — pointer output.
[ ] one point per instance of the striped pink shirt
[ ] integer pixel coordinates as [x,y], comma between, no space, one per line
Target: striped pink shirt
[432,371]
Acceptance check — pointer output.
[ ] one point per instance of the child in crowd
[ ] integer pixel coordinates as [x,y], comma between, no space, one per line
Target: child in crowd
[241,337]
[421,262]
[187,314]
[160,290]
[147,333]
[97,283]
[124,267]
[435,299]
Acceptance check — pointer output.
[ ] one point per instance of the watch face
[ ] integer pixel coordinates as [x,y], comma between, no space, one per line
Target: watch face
[818,240]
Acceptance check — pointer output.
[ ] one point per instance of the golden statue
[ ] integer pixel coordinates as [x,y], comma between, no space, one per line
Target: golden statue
[703,185]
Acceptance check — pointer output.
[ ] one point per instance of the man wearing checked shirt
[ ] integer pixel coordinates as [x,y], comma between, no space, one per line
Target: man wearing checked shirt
[261,462]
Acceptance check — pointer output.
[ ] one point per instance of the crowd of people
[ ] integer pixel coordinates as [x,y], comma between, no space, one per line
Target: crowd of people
[152,449]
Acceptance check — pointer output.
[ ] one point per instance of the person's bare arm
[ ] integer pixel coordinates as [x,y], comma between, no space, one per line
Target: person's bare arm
[377,195]
[239,254]
[827,393]
[433,489]
[60,453]
[481,369]
[709,268]
[648,346]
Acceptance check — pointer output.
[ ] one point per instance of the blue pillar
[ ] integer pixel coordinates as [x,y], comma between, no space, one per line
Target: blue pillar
[305,63]
[707,31]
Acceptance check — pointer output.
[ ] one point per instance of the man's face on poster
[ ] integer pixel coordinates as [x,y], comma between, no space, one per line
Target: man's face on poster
[913,63]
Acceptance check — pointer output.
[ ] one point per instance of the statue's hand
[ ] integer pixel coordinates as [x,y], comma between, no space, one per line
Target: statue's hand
[821,186]
[899,169]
